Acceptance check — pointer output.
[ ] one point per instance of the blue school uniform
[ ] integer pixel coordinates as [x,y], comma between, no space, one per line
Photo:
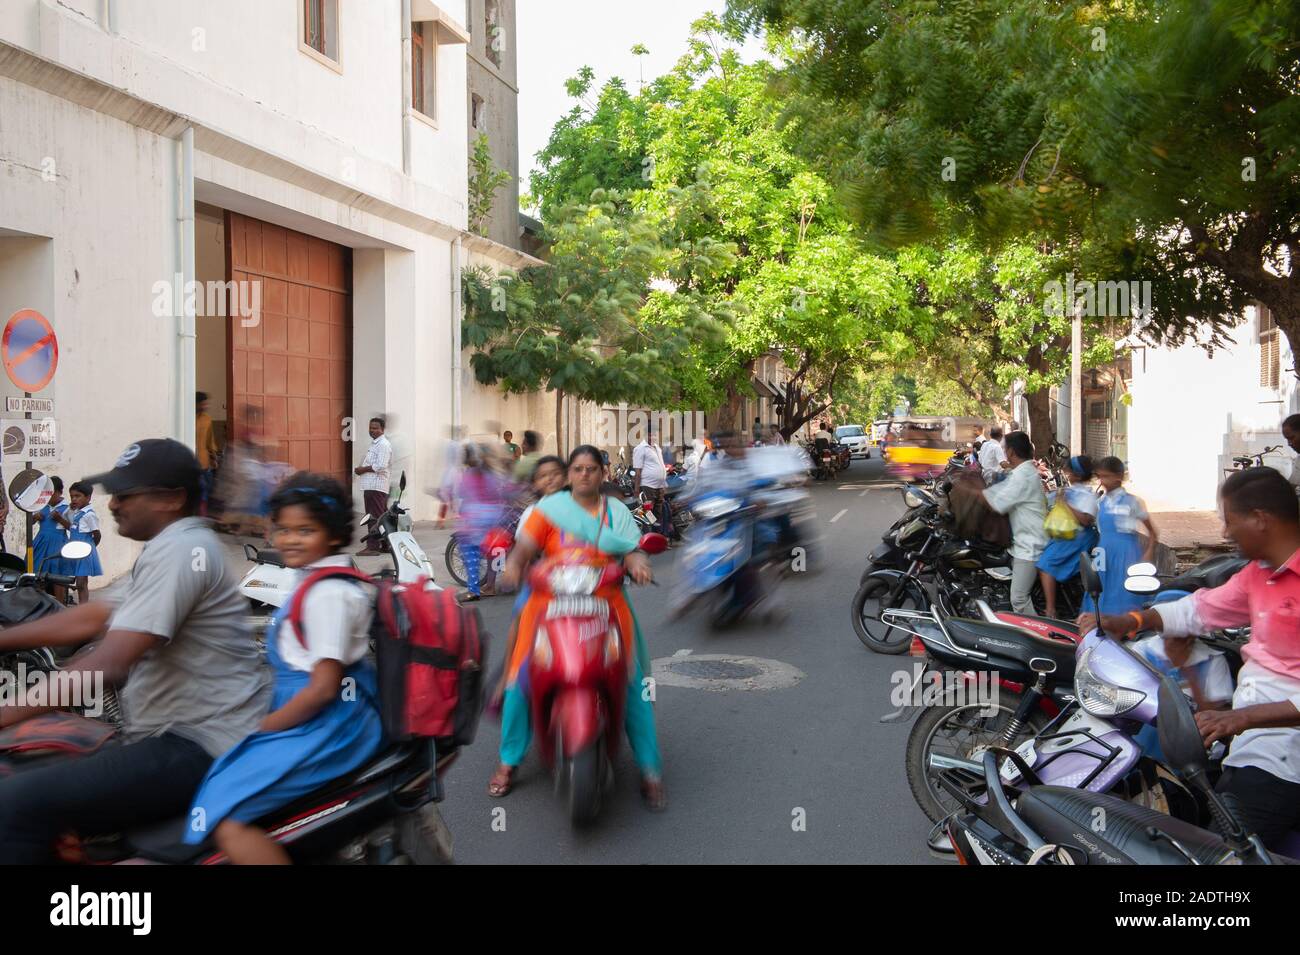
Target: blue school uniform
[1060,559]
[49,540]
[267,771]
[84,523]
[1118,515]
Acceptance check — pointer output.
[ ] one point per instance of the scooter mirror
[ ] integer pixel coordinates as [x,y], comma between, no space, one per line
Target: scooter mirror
[30,490]
[653,543]
[1143,569]
[1088,575]
[401,484]
[75,550]
[1180,740]
[364,521]
[1142,584]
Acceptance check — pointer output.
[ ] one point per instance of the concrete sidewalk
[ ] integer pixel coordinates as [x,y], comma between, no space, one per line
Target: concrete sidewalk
[1190,529]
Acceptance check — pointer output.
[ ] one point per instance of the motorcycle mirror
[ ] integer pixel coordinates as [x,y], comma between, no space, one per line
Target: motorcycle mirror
[364,521]
[653,543]
[76,550]
[1142,584]
[1088,576]
[401,485]
[30,490]
[1143,569]
[1180,740]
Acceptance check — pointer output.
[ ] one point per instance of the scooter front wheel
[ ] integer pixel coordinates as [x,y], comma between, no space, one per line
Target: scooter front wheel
[580,780]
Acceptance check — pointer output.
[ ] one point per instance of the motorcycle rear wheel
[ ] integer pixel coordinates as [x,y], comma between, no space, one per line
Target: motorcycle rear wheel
[875,595]
[952,721]
[455,561]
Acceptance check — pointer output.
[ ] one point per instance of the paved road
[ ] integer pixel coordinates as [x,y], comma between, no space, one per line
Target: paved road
[742,768]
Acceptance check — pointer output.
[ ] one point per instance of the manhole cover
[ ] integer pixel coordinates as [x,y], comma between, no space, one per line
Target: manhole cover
[722,672]
[715,669]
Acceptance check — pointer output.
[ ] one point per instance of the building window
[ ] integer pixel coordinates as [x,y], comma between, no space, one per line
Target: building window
[424,69]
[1270,360]
[476,111]
[494,33]
[320,28]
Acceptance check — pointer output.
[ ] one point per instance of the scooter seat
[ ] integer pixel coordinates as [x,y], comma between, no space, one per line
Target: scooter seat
[1014,648]
[1213,573]
[1118,834]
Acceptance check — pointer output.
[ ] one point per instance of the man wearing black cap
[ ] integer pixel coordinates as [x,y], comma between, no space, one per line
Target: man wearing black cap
[196,683]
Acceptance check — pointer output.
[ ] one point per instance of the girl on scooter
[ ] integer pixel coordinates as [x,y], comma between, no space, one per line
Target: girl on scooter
[319,727]
[582,518]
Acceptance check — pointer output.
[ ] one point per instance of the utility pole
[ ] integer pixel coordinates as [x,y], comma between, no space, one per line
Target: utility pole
[1076,383]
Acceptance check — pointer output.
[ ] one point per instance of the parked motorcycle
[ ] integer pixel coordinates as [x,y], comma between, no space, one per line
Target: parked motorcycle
[578,675]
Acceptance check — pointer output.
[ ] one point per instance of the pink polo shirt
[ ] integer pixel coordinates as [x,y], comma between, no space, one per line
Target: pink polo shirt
[1268,600]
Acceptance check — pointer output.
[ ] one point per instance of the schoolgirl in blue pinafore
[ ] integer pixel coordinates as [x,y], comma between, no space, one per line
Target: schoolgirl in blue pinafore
[84,527]
[51,535]
[1119,515]
[272,768]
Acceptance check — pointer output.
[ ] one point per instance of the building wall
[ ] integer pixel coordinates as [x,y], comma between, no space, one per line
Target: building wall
[89,208]
[1192,412]
[499,88]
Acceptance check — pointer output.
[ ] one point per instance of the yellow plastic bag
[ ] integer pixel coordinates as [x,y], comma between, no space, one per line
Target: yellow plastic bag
[1061,523]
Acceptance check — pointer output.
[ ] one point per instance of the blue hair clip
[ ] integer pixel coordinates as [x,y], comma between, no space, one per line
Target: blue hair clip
[328,499]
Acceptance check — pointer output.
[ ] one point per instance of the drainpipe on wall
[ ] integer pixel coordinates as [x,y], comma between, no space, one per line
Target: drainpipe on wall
[407,68]
[185,330]
[108,16]
[455,334]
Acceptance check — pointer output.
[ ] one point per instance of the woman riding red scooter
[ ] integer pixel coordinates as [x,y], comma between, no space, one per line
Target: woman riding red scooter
[571,529]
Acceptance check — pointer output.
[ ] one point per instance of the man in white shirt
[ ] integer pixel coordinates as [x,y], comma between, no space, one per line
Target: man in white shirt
[1291,434]
[823,434]
[993,459]
[373,472]
[652,474]
[1021,498]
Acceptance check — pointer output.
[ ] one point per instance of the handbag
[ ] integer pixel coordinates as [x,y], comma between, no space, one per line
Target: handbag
[1061,524]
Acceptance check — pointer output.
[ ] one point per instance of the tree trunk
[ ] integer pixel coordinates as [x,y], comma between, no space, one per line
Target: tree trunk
[559,421]
[1040,420]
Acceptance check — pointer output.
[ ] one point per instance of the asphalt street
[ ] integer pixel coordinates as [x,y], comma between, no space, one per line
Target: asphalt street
[776,766]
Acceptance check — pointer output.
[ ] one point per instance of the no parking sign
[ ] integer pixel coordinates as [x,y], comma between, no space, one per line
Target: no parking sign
[29,349]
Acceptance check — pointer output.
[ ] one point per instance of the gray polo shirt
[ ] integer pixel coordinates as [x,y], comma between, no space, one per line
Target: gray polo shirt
[204,680]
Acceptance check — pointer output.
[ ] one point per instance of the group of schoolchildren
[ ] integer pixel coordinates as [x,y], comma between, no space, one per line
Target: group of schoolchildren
[62,521]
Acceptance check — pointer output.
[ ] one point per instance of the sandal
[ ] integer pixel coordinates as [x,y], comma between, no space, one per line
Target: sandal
[652,792]
[501,782]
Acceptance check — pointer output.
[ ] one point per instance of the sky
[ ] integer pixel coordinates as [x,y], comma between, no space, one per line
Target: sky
[559,37]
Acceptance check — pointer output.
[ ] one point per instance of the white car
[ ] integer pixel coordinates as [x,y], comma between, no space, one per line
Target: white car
[857,439]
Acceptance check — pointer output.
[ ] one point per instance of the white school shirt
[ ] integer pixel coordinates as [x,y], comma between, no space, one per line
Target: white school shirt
[1021,498]
[378,456]
[86,520]
[336,617]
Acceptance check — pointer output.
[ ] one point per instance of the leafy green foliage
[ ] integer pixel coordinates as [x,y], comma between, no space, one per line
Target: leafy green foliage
[484,182]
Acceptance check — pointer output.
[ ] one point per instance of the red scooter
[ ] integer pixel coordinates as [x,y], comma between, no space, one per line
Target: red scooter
[578,674]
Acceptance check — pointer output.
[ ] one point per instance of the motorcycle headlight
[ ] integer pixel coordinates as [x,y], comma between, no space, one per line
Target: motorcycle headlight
[574,579]
[542,654]
[1099,697]
[713,507]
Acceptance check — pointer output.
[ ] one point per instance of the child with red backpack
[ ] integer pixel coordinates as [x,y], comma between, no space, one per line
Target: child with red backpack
[325,713]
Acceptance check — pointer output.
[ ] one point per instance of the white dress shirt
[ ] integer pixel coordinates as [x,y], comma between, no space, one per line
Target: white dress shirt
[991,457]
[1021,498]
[648,460]
[379,456]
[335,620]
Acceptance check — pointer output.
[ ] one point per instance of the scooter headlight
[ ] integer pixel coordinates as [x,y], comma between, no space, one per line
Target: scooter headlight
[1099,697]
[542,653]
[574,579]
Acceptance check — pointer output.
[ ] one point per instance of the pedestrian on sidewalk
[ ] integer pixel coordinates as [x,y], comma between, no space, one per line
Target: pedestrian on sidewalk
[1119,516]
[373,472]
[652,476]
[84,526]
[206,448]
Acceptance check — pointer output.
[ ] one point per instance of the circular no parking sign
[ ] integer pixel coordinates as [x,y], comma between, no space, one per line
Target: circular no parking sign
[29,349]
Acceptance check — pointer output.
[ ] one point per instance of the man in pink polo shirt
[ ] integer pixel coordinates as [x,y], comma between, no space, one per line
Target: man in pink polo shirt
[1262,770]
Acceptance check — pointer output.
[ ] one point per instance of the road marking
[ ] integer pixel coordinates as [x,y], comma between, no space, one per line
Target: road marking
[839,515]
[864,493]
[682,653]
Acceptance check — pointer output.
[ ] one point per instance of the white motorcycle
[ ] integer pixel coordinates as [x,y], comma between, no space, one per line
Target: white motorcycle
[268,583]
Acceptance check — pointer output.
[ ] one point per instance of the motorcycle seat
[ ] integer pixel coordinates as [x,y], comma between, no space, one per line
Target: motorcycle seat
[1069,816]
[162,841]
[1214,573]
[272,557]
[1004,642]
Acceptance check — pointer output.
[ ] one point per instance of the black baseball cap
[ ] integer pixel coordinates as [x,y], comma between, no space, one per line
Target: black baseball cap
[152,464]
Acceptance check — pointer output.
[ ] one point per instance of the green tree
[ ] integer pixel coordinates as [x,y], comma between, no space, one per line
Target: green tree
[484,183]
[700,149]
[591,322]
[1153,141]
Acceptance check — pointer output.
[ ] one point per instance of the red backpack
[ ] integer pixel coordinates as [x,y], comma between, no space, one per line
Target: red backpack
[431,653]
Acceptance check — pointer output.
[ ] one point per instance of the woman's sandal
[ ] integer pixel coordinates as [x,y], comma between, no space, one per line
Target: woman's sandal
[502,782]
[652,792]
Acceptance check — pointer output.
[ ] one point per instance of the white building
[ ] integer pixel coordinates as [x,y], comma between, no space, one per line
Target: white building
[314,154]
[1191,412]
